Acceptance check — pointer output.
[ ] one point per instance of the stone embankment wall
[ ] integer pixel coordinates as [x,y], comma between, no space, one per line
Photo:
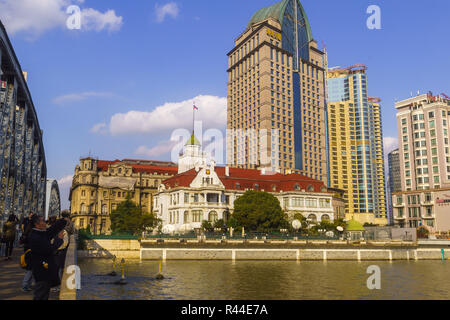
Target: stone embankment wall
[260,250]
[67,293]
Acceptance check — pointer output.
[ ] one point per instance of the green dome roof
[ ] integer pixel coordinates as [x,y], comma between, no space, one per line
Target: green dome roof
[276,11]
[193,141]
[354,225]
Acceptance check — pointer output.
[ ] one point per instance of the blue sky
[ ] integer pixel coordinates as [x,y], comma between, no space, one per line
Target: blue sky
[97,90]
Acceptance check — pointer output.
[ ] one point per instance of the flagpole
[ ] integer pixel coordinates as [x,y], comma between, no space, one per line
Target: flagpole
[193,119]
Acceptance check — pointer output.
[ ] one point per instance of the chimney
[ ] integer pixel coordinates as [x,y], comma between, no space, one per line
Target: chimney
[227,171]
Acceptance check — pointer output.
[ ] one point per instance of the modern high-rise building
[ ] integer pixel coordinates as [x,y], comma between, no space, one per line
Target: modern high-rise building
[355,145]
[276,95]
[394,183]
[423,128]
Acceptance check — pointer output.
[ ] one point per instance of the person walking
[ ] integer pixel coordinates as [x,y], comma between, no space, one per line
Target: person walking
[43,264]
[9,234]
[60,257]
[28,277]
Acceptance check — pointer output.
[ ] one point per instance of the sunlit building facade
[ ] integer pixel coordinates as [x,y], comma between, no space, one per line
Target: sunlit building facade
[276,95]
[424,152]
[355,138]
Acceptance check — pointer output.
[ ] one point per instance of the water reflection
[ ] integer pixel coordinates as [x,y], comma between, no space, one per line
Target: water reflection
[265,280]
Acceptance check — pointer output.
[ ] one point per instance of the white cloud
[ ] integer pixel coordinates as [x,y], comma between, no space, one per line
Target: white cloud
[73,97]
[162,148]
[65,181]
[35,17]
[99,128]
[170,9]
[390,144]
[64,185]
[172,115]
[95,20]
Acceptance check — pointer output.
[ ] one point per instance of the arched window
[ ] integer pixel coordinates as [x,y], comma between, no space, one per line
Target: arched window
[310,188]
[296,187]
[213,217]
[312,218]
[325,217]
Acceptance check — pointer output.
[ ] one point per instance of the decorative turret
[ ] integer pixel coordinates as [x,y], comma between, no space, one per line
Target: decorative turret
[192,156]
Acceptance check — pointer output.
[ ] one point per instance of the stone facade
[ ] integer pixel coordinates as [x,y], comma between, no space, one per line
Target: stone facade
[99,186]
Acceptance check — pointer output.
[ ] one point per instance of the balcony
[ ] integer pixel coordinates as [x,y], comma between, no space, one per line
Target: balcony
[428,217]
[427,203]
[399,218]
[399,205]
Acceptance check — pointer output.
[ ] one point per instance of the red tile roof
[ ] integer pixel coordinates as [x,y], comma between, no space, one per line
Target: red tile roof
[241,179]
[103,165]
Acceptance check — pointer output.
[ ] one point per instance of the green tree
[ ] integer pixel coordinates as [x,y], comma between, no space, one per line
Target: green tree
[207,226]
[259,211]
[422,232]
[129,218]
[221,224]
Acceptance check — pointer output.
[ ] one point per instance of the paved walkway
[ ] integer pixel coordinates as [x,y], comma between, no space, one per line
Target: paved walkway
[11,276]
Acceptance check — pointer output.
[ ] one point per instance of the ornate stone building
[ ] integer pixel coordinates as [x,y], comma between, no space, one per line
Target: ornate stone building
[99,186]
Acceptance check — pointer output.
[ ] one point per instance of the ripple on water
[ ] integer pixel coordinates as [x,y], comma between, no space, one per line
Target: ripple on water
[265,280]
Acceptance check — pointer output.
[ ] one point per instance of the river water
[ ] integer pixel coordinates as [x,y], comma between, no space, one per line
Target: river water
[265,280]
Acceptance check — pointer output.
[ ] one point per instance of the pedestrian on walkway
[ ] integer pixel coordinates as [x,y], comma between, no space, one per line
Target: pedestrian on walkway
[9,234]
[43,264]
[28,277]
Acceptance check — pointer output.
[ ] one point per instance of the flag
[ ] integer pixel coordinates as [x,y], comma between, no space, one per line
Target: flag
[195,108]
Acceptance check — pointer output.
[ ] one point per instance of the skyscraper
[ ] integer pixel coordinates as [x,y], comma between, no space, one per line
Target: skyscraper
[356,162]
[394,180]
[276,91]
[423,127]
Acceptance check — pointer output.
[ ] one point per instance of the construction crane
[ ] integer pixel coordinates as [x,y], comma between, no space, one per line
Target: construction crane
[374,99]
[445,96]
[355,67]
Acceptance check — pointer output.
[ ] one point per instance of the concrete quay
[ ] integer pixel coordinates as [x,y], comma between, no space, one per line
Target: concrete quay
[261,250]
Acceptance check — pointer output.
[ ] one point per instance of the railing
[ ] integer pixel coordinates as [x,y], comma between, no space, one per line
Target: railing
[112,237]
[238,236]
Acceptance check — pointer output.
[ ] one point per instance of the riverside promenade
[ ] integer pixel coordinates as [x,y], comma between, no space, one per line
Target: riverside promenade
[11,276]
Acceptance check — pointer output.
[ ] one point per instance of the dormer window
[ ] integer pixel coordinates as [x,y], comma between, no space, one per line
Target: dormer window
[310,188]
[256,186]
[238,185]
[296,187]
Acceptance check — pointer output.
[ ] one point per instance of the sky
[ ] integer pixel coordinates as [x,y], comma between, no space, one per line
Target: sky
[121,84]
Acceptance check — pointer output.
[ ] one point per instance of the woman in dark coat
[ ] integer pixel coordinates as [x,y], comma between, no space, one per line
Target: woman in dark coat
[9,234]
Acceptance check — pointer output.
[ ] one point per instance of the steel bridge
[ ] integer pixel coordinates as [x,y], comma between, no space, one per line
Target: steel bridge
[23,170]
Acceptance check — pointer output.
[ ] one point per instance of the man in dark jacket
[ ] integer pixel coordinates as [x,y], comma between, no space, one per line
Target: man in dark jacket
[43,264]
